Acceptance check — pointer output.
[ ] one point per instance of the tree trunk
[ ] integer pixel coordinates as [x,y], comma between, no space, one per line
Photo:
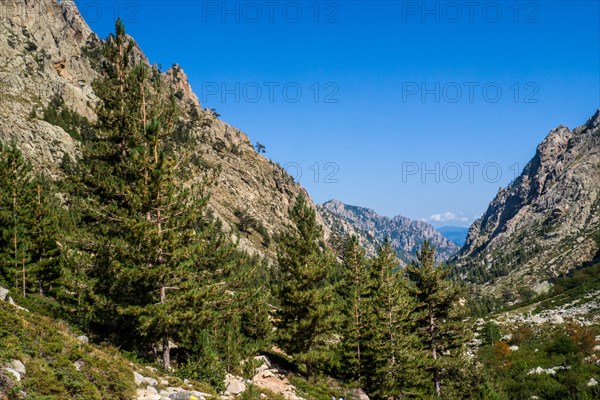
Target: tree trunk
[436,372]
[15,237]
[23,270]
[166,358]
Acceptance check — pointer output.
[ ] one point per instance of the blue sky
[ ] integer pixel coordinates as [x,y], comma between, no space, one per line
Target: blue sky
[412,108]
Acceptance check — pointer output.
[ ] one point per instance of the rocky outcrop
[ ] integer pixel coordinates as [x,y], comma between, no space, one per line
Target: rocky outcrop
[546,222]
[49,51]
[406,236]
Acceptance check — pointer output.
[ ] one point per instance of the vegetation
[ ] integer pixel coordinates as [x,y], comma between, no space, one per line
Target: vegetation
[126,250]
[560,349]
[57,113]
[59,366]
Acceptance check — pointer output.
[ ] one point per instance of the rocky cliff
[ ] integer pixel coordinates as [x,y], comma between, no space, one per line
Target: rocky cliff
[49,52]
[371,229]
[546,222]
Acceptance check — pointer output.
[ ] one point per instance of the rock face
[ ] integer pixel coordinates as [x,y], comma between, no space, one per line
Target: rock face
[546,222]
[371,229]
[48,50]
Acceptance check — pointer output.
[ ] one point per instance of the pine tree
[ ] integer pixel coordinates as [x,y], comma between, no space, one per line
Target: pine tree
[45,254]
[354,289]
[15,215]
[156,263]
[306,316]
[29,224]
[440,326]
[392,346]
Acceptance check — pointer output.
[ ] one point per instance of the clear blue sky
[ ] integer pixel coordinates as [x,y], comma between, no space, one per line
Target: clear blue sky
[388,87]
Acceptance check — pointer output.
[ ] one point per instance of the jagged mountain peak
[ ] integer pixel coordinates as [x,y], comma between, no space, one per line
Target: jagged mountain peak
[406,236]
[546,221]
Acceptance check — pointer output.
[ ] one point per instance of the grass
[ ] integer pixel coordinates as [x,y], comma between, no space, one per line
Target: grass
[562,346]
[58,365]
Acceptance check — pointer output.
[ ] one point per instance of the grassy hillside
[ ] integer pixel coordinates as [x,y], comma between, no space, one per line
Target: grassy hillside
[58,365]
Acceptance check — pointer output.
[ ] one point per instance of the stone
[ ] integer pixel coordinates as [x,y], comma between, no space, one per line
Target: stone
[183,395]
[234,384]
[142,380]
[78,364]
[18,366]
[359,394]
[513,348]
[151,389]
[536,319]
[83,339]
[3,293]
[557,319]
[592,382]
[14,373]
[145,394]
[138,378]
[262,362]
[507,338]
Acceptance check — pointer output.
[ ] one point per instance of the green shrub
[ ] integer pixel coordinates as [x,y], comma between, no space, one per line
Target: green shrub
[206,368]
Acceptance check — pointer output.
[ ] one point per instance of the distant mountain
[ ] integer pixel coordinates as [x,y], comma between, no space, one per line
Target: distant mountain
[456,234]
[407,236]
[546,222]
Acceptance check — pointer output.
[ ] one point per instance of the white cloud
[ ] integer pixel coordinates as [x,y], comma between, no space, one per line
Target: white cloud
[447,217]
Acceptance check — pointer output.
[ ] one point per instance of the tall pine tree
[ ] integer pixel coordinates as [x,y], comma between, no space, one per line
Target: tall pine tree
[354,294]
[29,225]
[155,263]
[393,359]
[439,315]
[306,316]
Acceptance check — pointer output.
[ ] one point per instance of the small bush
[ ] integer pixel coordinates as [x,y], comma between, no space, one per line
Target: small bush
[521,335]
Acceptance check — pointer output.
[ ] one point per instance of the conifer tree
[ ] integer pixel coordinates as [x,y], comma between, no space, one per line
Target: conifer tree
[159,267]
[306,316]
[15,214]
[29,224]
[393,346]
[354,292]
[46,231]
[439,319]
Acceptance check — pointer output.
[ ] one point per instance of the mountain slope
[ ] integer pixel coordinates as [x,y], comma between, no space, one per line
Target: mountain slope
[371,229]
[546,222]
[49,56]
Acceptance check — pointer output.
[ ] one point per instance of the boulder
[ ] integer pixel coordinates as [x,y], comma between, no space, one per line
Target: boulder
[359,394]
[235,385]
[138,378]
[83,339]
[592,382]
[145,394]
[183,395]
[262,363]
[141,380]
[3,293]
[513,348]
[18,366]
[78,364]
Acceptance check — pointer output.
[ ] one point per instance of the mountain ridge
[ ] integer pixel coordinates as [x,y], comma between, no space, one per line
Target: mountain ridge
[406,235]
[546,222]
